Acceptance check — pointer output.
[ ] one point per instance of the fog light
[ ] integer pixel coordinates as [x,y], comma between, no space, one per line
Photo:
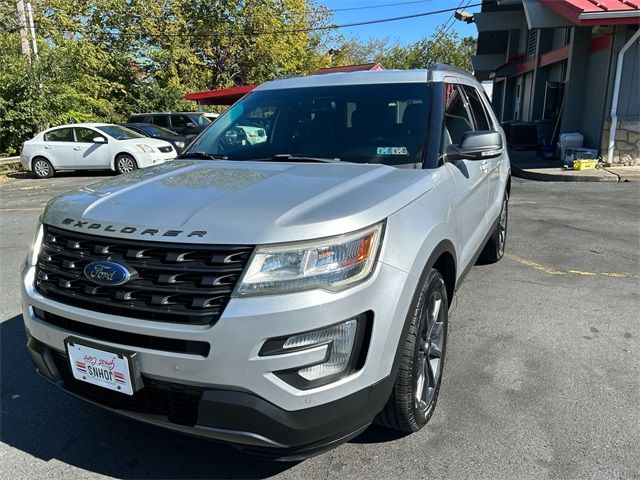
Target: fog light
[344,342]
[340,340]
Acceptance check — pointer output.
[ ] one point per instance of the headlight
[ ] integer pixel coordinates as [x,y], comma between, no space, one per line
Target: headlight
[333,263]
[36,245]
[180,144]
[145,148]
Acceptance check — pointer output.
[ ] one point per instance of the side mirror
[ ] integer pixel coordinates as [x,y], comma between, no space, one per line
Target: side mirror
[479,145]
[191,125]
[99,140]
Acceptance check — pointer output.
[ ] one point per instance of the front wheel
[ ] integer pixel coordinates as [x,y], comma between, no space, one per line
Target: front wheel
[126,164]
[493,251]
[417,384]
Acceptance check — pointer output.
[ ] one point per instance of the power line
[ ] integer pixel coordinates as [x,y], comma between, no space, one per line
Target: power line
[284,31]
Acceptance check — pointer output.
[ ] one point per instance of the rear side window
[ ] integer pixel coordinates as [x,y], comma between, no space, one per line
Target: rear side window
[161,120]
[477,108]
[59,135]
[179,120]
[137,119]
[457,118]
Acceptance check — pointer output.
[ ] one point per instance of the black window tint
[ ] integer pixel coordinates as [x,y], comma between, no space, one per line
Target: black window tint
[85,135]
[136,119]
[179,121]
[457,120]
[161,120]
[60,135]
[479,112]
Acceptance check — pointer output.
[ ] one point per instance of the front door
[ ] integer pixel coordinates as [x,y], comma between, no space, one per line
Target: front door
[89,154]
[470,177]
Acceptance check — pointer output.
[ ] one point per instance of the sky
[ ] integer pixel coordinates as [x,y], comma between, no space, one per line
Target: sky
[404,31]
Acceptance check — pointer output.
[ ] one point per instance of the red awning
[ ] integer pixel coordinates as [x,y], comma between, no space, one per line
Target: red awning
[597,12]
[224,96]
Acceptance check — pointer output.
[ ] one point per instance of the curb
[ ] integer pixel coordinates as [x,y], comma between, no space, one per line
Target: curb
[552,177]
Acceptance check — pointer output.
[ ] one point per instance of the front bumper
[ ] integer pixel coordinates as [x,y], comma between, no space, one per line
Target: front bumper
[246,421]
[243,401]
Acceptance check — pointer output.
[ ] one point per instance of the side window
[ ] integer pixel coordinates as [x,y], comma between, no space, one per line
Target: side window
[85,135]
[179,121]
[457,119]
[160,120]
[60,135]
[478,109]
[137,119]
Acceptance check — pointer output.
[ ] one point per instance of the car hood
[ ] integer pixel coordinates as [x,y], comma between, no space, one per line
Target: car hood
[229,202]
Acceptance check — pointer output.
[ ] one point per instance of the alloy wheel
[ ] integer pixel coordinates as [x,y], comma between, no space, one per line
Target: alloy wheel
[502,234]
[430,354]
[126,165]
[41,168]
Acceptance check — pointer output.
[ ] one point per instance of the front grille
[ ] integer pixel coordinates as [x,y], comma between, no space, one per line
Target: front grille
[165,149]
[125,338]
[180,283]
[179,403]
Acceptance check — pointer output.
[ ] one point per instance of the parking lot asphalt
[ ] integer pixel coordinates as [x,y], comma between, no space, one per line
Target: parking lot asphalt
[542,376]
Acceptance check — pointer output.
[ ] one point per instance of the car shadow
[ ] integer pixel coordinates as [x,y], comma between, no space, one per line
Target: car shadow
[42,421]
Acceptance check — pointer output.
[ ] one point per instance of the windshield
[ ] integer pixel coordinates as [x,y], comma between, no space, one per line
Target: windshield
[119,133]
[356,123]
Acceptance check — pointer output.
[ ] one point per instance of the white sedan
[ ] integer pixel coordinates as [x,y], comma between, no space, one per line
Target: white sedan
[92,146]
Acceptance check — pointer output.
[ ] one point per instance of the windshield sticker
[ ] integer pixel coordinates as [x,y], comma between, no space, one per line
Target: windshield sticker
[392,151]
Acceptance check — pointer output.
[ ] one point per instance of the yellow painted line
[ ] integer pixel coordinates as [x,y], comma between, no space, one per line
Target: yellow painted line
[552,271]
[535,265]
[584,274]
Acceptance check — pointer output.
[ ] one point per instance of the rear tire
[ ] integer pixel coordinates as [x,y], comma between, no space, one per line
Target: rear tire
[125,163]
[493,251]
[42,168]
[415,392]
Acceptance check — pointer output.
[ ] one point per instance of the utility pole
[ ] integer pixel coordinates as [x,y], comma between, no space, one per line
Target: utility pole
[24,35]
[32,30]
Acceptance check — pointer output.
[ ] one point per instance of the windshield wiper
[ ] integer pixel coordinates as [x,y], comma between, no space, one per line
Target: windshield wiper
[204,155]
[287,157]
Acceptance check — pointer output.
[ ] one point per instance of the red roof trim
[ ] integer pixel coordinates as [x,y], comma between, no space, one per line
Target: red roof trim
[607,11]
[512,60]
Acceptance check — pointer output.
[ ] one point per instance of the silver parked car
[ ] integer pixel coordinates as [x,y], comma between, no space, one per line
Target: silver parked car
[278,295]
[92,146]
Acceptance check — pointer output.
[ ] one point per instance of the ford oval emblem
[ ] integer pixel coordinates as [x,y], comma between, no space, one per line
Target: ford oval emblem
[108,273]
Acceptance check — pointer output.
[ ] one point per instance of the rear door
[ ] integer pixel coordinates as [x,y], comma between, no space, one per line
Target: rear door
[483,121]
[88,154]
[59,145]
[181,124]
[471,179]
[161,120]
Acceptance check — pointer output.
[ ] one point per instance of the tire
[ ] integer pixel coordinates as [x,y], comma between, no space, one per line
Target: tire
[42,168]
[125,163]
[417,385]
[493,251]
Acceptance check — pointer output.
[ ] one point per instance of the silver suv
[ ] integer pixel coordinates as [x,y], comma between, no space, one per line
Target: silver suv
[280,294]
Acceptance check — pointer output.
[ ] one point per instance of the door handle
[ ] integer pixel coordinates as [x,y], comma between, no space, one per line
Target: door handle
[77,148]
[48,147]
[484,166]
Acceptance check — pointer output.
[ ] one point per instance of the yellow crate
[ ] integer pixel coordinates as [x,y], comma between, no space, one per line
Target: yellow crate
[584,164]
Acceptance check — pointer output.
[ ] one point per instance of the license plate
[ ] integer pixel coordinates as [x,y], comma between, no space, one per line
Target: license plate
[100,367]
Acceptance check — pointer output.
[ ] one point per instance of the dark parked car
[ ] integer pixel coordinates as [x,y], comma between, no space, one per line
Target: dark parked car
[179,142]
[183,123]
